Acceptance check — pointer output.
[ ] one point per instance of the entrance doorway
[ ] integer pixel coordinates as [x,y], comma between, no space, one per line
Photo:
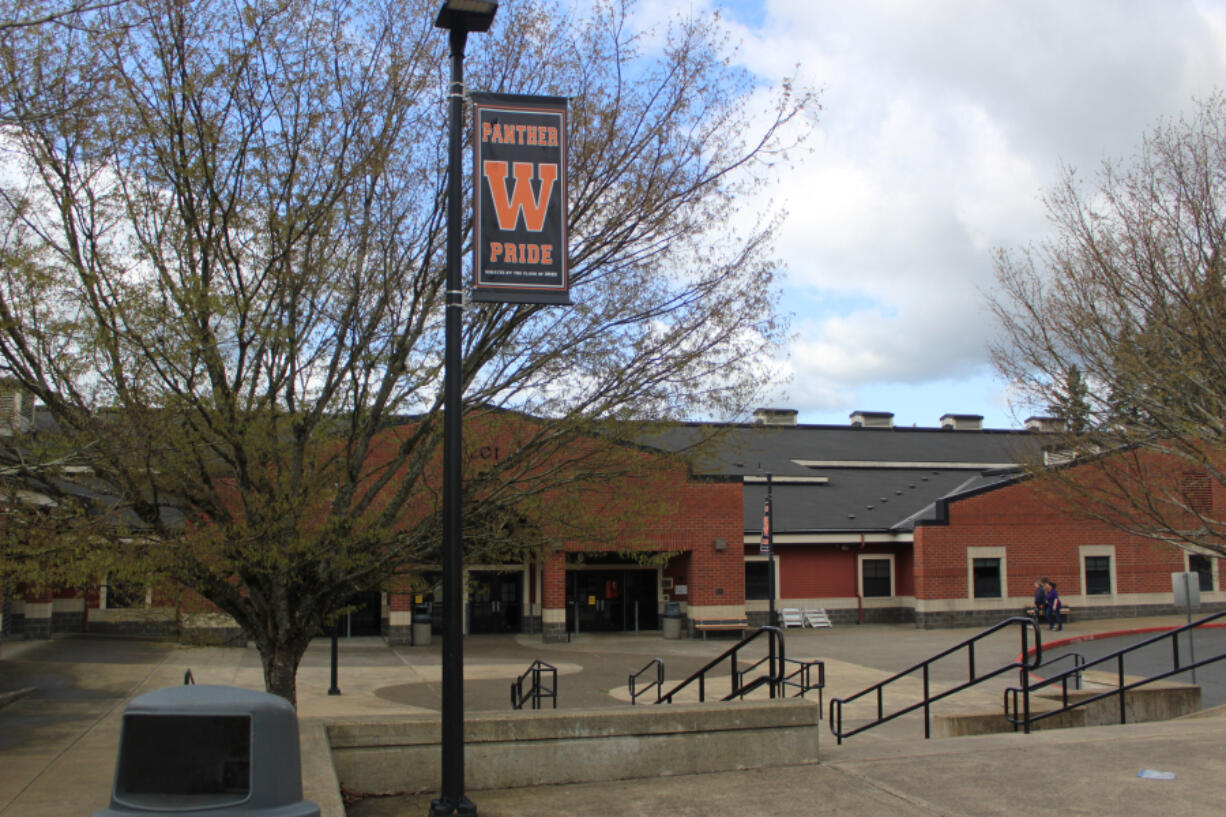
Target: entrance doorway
[495,602]
[621,600]
[367,617]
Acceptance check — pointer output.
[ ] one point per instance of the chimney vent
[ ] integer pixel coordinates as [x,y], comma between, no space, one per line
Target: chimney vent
[1046,425]
[962,422]
[872,419]
[16,409]
[775,416]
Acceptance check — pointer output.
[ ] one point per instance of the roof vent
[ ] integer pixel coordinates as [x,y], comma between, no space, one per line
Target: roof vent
[962,422]
[775,416]
[872,419]
[16,409]
[1046,425]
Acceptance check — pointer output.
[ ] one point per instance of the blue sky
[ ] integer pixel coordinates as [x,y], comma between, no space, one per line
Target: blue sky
[942,124]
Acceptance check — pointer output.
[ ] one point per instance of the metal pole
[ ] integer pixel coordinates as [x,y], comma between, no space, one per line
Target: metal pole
[453,800]
[770,570]
[336,627]
[770,577]
[1187,595]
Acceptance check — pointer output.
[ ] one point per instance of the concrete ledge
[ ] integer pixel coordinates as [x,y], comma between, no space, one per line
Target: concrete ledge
[319,781]
[397,755]
[965,724]
[1158,701]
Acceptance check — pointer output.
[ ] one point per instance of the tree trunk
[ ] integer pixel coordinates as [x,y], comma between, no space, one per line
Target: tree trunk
[280,656]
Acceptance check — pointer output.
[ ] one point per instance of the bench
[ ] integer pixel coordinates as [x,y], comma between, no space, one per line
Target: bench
[1066,613]
[719,625]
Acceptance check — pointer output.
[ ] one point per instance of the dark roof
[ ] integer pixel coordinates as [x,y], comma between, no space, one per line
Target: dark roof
[829,479]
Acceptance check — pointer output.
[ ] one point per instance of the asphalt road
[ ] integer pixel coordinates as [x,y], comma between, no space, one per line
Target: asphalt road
[1158,658]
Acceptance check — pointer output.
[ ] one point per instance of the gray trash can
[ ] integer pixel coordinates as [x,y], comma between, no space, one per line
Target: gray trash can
[421,626]
[671,620]
[208,751]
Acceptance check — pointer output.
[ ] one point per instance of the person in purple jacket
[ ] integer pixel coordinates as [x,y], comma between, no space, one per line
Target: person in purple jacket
[1055,610]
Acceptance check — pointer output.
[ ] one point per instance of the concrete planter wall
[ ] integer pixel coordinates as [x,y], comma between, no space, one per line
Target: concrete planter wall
[537,748]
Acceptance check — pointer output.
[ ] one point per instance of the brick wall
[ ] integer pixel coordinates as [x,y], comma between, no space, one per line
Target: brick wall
[1040,540]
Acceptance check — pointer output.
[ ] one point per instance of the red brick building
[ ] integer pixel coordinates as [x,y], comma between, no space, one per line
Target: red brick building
[936,526]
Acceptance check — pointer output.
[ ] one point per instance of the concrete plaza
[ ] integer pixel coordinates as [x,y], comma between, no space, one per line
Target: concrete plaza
[65,698]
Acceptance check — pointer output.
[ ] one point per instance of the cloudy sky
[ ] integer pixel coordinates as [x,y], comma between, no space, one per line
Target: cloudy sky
[942,123]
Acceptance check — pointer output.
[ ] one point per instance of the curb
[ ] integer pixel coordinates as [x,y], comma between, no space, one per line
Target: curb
[1079,639]
[7,698]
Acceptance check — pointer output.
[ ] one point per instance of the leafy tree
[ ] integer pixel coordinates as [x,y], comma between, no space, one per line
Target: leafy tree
[1071,404]
[221,273]
[1129,293]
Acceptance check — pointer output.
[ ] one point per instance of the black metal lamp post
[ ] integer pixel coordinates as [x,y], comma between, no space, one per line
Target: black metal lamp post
[768,539]
[459,17]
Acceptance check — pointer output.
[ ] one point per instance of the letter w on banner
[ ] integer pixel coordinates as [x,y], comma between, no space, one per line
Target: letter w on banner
[519,181]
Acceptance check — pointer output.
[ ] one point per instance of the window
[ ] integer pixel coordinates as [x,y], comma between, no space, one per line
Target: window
[1098,575]
[122,595]
[757,580]
[1202,567]
[986,578]
[876,578]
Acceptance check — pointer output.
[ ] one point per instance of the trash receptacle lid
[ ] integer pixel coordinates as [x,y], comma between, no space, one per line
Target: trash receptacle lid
[209,699]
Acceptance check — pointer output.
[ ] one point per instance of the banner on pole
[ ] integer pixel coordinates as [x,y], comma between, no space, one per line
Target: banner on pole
[519,181]
[765,547]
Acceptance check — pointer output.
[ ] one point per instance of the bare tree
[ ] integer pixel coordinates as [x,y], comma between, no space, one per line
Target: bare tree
[1129,293]
[222,274]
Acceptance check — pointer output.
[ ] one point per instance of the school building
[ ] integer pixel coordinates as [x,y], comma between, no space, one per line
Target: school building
[937,526]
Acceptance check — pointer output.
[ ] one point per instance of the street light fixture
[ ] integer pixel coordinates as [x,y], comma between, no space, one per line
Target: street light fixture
[467,15]
[459,17]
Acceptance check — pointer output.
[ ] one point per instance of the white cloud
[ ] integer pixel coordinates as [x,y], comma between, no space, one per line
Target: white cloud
[942,124]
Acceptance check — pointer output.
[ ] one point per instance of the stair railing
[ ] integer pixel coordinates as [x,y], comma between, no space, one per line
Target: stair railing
[1025,624]
[1116,661]
[538,690]
[657,684]
[773,677]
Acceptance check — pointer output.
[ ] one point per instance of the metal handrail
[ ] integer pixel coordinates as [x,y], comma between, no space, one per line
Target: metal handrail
[538,690]
[1027,718]
[1079,662]
[658,683]
[803,671]
[1026,625]
[774,676]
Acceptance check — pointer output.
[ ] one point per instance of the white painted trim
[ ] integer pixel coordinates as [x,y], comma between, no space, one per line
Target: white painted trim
[904,464]
[1213,568]
[778,561]
[1096,550]
[786,480]
[860,576]
[987,552]
[850,538]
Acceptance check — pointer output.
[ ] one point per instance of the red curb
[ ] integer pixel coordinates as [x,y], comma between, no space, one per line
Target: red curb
[1078,639]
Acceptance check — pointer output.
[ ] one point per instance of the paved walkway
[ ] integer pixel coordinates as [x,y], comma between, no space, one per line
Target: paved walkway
[59,735]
